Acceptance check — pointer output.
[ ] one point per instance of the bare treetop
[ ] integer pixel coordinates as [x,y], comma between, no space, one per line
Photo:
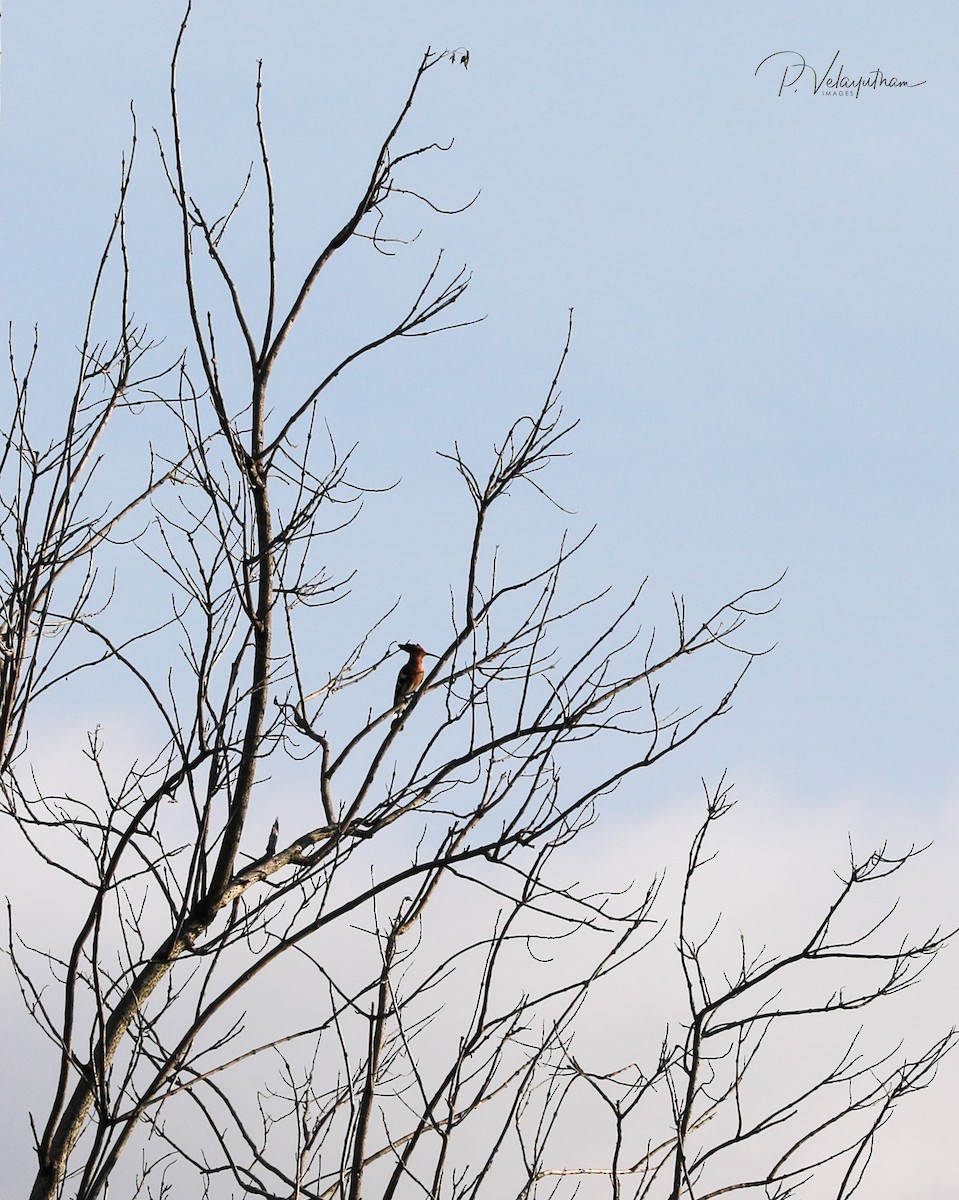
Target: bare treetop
[381,995]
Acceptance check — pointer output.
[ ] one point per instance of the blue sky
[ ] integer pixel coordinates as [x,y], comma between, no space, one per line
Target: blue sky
[764,359]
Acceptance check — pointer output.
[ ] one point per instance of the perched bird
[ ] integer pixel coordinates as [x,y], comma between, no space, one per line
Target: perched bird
[411,674]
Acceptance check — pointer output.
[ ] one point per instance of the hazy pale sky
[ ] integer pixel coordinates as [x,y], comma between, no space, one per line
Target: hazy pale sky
[764,358]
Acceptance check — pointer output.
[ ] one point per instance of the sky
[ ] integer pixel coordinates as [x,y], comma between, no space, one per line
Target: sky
[764,366]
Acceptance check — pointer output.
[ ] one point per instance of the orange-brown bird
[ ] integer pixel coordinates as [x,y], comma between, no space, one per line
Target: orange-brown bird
[411,673]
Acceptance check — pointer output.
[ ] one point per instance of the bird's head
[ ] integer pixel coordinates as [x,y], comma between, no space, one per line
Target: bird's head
[413,648]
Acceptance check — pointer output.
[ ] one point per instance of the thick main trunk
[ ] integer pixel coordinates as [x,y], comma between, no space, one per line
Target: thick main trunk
[65,1129]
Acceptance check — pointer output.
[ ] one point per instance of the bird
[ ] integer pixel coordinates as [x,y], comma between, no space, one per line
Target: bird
[410,676]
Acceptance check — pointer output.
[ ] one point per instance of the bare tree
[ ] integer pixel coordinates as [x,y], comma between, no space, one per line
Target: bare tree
[384,1000]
